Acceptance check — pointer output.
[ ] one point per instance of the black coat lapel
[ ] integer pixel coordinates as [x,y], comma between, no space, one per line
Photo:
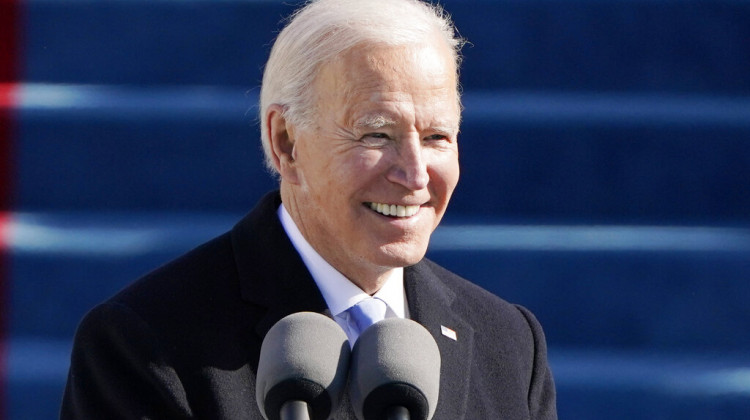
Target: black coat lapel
[430,304]
[274,277]
[271,272]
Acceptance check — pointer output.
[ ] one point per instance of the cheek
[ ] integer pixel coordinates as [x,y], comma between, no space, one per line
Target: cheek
[454,172]
[444,173]
[372,159]
[341,179]
[362,167]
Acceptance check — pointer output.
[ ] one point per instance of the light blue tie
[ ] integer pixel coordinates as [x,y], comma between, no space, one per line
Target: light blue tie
[365,313]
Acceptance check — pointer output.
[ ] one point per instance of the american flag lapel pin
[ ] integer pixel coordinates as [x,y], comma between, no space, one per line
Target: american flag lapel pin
[448,333]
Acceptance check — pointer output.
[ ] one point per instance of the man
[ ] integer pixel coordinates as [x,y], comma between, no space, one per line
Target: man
[360,114]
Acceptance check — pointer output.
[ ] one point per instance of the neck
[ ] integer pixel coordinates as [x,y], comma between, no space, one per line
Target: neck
[367,276]
[370,284]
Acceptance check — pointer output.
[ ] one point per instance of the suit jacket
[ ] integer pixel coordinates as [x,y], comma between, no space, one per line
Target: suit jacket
[184,341]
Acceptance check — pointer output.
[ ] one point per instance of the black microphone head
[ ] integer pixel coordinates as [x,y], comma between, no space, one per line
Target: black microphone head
[395,362]
[304,356]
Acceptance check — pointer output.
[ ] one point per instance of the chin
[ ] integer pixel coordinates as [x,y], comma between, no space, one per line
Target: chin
[400,255]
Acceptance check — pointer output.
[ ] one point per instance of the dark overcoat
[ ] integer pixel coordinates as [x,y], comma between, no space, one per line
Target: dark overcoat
[183,342]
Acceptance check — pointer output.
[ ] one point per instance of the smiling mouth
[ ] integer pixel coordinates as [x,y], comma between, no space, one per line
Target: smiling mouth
[393,210]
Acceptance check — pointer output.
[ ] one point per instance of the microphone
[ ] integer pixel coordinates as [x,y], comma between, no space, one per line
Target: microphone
[395,372]
[304,360]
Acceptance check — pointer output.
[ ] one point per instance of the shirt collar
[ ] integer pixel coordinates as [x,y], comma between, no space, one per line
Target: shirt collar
[338,292]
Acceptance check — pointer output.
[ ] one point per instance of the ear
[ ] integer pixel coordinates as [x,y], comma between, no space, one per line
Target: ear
[281,136]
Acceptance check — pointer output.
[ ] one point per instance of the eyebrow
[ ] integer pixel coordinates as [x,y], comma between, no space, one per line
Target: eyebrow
[448,129]
[377,121]
[374,122]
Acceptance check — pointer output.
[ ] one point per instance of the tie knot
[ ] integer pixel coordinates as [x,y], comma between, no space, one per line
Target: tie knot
[367,312]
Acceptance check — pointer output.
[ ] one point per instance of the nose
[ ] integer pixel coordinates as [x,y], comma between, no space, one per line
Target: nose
[410,168]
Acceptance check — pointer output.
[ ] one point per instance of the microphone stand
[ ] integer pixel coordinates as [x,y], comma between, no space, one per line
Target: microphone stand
[295,410]
[397,413]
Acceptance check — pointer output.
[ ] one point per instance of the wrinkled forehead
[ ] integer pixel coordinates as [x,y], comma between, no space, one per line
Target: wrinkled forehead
[425,60]
[422,72]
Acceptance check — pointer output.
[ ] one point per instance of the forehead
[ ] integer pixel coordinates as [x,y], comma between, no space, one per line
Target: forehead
[365,79]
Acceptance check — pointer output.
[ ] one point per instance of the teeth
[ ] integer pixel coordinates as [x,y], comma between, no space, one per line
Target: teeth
[394,210]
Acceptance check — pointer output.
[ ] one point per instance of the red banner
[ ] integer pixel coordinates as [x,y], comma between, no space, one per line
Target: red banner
[10,31]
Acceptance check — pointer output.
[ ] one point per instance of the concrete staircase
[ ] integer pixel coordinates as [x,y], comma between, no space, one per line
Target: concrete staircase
[605,160]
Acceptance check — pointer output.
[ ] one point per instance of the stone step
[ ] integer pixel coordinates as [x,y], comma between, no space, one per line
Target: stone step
[633,287]
[613,158]
[651,45]
[591,384]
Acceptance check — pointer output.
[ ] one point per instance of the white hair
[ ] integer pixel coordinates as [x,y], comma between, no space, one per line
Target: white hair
[324,29]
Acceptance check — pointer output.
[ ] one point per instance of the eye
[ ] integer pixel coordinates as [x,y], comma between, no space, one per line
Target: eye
[375,139]
[437,137]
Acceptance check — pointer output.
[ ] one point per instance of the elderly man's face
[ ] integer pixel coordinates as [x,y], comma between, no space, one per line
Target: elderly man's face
[374,177]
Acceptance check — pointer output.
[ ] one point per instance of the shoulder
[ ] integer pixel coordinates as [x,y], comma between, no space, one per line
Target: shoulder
[485,310]
[508,344]
[186,314]
[471,295]
[206,268]
[179,305]
[211,271]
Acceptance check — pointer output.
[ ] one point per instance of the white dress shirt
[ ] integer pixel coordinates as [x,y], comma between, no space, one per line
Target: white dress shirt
[338,291]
